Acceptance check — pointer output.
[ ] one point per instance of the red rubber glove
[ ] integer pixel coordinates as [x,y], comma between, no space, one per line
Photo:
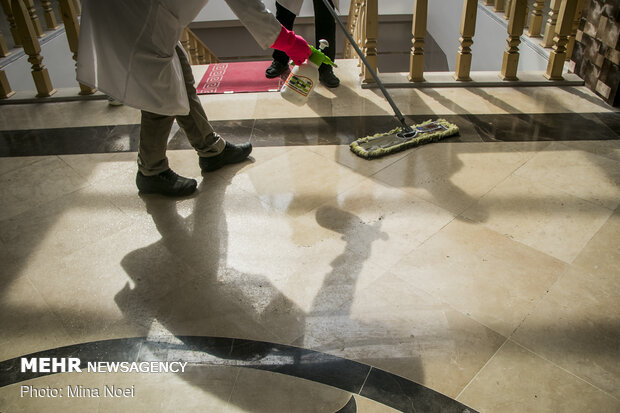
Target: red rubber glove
[293,45]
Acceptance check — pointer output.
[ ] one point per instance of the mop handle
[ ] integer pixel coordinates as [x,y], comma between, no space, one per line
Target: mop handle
[397,112]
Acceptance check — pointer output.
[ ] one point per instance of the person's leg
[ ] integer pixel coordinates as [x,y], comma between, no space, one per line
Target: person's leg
[325,28]
[154,131]
[213,151]
[154,175]
[195,124]
[280,59]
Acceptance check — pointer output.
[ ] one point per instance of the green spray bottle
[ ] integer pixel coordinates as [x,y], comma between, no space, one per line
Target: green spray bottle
[304,77]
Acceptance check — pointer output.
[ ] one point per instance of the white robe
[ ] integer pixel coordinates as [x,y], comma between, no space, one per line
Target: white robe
[127,47]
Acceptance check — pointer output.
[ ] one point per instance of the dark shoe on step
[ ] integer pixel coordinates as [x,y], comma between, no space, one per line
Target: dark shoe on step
[166,183]
[275,69]
[327,76]
[230,154]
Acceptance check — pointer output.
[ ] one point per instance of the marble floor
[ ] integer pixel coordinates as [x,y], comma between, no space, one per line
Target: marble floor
[477,274]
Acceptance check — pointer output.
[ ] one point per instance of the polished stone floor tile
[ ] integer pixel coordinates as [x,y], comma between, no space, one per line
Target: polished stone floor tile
[555,222]
[381,223]
[455,175]
[343,155]
[365,405]
[35,184]
[541,100]
[100,166]
[116,287]
[60,227]
[506,384]
[297,181]
[575,327]
[395,326]
[26,320]
[8,164]
[600,255]
[609,148]
[66,114]
[70,140]
[542,127]
[484,274]
[579,173]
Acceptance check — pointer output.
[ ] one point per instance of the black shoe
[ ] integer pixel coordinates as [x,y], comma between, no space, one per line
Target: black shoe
[166,183]
[275,69]
[327,76]
[230,154]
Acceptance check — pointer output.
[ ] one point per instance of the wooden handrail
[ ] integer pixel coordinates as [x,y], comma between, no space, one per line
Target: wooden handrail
[197,51]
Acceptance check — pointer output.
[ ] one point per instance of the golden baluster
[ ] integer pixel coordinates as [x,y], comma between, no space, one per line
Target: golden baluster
[352,25]
[193,52]
[571,39]
[499,6]
[508,8]
[36,24]
[78,7]
[489,2]
[515,30]
[5,87]
[32,48]
[361,26]
[8,12]
[200,54]
[185,40]
[563,29]
[48,13]
[551,22]
[369,42]
[418,29]
[4,50]
[468,28]
[536,18]
[72,29]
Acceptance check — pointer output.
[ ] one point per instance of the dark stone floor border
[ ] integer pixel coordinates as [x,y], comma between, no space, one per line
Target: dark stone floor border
[317,131]
[350,376]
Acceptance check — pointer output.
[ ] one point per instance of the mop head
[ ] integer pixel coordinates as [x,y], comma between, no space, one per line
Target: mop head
[394,141]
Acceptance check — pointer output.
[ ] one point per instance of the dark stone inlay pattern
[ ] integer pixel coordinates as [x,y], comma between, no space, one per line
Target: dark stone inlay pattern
[318,131]
[351,376]
[408,396]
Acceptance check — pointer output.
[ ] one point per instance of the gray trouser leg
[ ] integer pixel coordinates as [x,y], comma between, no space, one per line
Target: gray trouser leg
[155,129]
[195,124]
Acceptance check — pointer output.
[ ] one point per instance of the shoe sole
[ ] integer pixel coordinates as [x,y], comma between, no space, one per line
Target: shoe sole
[186,192]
